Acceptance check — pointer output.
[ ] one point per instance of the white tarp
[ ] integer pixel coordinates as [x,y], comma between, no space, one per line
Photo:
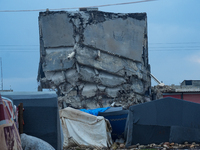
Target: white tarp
[83,129]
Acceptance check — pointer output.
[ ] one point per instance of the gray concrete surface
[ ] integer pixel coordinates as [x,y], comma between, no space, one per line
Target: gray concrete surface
[94,58]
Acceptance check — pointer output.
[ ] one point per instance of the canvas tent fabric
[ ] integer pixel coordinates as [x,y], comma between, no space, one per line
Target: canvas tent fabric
[41,116]
[166,117]
[117,118]
[83,129]
[9,137]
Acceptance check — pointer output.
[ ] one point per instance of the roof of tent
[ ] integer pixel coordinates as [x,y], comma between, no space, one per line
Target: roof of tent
[41,118]
[167,111]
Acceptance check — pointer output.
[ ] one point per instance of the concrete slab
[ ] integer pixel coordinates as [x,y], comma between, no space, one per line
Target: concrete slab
[118,36]
[56,29]
[110,80]
[56,59]
[89,90]
[109,63]
[56,77]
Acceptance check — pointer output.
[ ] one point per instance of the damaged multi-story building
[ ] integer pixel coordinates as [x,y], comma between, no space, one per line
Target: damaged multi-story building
[94,59]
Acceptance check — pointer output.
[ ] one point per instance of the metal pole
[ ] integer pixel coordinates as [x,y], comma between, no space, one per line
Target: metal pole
[1,74]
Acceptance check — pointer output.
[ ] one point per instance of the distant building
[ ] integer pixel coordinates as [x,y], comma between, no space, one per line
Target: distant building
[188,90]
[6,90]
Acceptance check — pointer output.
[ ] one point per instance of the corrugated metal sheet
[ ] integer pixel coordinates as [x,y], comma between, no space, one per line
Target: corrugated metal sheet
[192,97]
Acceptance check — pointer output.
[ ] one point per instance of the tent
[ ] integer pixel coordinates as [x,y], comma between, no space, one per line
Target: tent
[163,120]
[41,116]
[83,129]
[117,118]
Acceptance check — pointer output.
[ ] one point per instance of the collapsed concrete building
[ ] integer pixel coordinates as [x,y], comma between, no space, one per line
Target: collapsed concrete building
[94,59]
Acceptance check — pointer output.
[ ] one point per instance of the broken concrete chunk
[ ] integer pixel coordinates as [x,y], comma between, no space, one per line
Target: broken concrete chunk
[56,30]
[56,59]
[126,87]
[80,87]
[56,77]
[85,17]
[105,102]
[89,90]
[72,76]
[76,22]
[65,88]
[101,88]
[112,92]
[90,104]
[96,71]
[72,93]
[87,74]
[110,80]
[137,85]
[71,101]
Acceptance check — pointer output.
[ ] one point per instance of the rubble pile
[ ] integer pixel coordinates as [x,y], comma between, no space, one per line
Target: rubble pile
[153,146]
[166,145]
[94,58]
[157,91]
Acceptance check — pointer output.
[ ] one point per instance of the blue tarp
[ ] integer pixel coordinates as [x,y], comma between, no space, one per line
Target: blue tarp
[94,111]
[117,118]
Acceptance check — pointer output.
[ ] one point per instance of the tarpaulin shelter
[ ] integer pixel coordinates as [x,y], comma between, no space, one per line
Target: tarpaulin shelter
[9,135]
[41,116]
[83,129]
[117,118]
[95,111]
[163,120]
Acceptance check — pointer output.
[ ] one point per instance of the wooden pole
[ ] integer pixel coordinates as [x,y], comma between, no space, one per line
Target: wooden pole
[20,118]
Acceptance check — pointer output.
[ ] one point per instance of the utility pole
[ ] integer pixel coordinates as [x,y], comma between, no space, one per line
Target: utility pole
[1,74]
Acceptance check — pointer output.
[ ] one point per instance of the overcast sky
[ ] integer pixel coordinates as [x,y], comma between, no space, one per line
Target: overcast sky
[173,35]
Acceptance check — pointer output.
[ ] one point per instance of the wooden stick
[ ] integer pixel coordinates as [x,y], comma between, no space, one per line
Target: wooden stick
[20,118]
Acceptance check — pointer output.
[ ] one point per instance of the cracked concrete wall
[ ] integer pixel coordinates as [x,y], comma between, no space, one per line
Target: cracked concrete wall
[93,58]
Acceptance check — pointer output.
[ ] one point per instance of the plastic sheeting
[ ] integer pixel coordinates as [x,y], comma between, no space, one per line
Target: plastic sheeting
[83,129]
[117,118]
[9,135]
[94,111]
[162,121]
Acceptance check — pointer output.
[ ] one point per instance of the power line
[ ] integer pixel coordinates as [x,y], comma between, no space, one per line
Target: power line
[126,3]
[178,43]
[18,45]
[158,50]
[176,50]
[148,43]
[175,47]
[19,51]
[1,74]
